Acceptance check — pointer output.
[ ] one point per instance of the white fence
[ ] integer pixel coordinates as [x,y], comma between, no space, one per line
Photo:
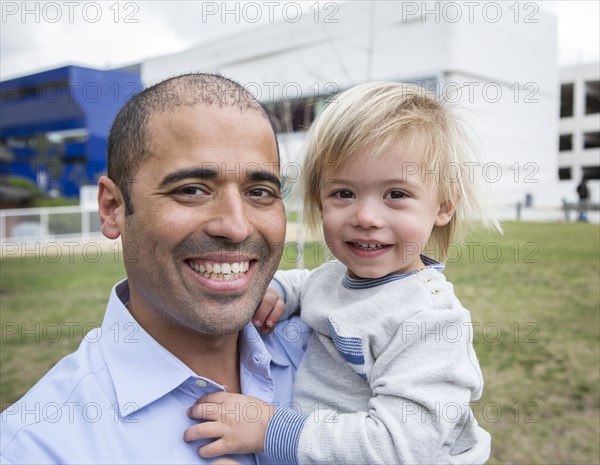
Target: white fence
[56,224]
[25,225]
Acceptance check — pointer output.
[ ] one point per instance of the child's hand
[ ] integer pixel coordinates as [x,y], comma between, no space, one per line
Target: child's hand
[237,422]
[269,311]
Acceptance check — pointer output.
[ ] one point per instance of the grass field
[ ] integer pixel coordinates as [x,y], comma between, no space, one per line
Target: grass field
[534,299]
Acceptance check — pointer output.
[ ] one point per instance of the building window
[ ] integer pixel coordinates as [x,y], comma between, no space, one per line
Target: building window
[291,115]
[565,142]
[566,100]
[591,140]
[564,174]
[11,92]
[591,172]
[296,115]
[592,97]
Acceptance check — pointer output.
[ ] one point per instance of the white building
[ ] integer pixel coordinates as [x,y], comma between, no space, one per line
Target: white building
[496,60]
[579,137]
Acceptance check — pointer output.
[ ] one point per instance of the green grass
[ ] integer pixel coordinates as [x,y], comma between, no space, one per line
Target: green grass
[533,295]
[542,371]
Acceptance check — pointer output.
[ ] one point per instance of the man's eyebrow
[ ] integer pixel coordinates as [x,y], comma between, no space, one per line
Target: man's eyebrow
[208,173]
[264,176]
[187,173]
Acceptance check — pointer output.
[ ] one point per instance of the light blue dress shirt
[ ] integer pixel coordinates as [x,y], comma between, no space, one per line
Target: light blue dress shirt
[122,397]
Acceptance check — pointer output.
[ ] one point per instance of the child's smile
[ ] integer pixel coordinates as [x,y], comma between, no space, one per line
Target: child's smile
[378,216]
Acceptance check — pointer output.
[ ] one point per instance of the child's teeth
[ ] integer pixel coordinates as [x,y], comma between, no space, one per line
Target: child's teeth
[368,246]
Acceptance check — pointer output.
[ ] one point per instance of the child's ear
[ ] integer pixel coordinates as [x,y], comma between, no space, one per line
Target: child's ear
[111,208]
[445,213]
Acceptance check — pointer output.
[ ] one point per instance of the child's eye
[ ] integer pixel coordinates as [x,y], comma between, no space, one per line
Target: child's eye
[396,195]
[343,194]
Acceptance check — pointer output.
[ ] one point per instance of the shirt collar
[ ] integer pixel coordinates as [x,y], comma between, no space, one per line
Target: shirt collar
[143,371]
[359,283]
[257,353]
[254,349]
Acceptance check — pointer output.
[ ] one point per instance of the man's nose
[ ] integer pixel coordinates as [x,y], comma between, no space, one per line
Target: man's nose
[229,217]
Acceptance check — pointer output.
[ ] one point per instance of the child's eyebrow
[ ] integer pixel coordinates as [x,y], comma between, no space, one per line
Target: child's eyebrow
[357,181]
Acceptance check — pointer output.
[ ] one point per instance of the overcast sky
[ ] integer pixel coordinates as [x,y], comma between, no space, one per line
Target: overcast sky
[36,36]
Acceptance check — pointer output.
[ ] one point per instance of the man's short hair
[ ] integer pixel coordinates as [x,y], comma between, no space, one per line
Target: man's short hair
[128,140]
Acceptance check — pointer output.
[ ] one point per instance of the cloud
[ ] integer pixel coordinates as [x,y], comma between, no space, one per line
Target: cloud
[107,36]
[578,31]
[42,35]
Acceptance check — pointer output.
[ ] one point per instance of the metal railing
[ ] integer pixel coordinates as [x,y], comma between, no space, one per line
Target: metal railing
[48,224]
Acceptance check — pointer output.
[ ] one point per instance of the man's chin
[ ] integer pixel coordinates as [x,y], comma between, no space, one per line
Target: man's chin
[222,325]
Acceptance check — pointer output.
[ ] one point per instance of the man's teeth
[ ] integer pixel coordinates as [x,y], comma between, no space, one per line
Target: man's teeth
[362,245]
[221,271]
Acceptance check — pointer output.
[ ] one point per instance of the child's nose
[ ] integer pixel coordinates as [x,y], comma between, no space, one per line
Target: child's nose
[367,215]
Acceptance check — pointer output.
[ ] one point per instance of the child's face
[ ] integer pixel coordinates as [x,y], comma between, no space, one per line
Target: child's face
[378,213]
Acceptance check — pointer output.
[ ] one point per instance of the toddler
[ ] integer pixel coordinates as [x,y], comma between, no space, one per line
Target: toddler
[390,371]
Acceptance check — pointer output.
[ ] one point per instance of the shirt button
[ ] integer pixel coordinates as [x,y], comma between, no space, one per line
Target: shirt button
[428,280]
[435,291]
[201,383]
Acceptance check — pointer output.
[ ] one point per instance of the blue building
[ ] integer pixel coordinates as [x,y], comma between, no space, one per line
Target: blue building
[54,125]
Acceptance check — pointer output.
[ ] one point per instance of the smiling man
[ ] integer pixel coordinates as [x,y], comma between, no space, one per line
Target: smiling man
[193,190]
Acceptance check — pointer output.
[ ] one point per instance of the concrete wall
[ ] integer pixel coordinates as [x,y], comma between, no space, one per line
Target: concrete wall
[577,125]
[501,58]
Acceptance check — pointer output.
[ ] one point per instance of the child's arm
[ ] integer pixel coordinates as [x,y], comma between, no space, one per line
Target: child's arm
[238,424]
[269,311]
[245,432]
[421,384]
[281,300]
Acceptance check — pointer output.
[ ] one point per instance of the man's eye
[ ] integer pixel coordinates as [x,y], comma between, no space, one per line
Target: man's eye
[192,191]
[344,194]
[396,194]
[260,192]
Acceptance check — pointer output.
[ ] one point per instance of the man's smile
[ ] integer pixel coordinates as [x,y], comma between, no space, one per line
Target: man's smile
[221,271]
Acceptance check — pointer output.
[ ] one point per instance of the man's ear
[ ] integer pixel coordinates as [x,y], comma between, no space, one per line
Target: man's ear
[111,208]
[445,213]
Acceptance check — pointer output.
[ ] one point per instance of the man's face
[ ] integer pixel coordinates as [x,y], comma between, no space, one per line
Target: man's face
[208,225]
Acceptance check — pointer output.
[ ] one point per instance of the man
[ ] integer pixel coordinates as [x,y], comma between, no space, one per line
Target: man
[193,191]
[584,196]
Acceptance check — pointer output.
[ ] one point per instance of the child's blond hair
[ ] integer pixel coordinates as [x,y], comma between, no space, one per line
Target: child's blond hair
[381,114]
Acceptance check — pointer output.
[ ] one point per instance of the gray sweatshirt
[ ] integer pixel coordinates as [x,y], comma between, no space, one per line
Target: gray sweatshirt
[387,376]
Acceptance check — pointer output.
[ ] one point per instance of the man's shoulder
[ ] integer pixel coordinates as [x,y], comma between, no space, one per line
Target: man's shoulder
[67,398]
[287,343]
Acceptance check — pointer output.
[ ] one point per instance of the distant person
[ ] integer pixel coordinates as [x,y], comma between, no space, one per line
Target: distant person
[390,374]
[584,196]
[194,191]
